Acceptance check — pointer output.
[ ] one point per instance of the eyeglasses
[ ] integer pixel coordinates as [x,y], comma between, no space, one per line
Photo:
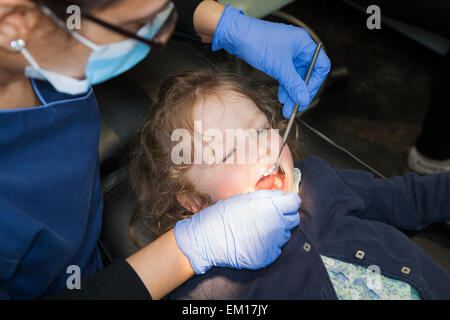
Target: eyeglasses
[157,42]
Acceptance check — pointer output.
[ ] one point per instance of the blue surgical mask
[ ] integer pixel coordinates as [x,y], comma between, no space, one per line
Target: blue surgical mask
[104,63]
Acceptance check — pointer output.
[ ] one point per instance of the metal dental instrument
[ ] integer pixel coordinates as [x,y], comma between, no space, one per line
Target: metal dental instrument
[294,112]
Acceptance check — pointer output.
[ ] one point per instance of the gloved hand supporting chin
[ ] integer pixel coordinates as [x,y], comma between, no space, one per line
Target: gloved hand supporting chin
[282,51]
[245,231]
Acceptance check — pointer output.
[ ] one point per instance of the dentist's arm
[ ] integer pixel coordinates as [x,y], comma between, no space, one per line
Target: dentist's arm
[206,17]
[245,231]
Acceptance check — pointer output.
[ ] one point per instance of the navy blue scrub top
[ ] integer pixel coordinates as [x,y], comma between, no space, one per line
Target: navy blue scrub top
[50,196]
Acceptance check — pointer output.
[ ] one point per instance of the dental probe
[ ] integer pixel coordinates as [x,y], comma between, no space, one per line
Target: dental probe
[294,112]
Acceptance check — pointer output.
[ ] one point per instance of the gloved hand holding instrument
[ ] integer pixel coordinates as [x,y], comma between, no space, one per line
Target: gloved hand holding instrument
[282,51]
[294,111]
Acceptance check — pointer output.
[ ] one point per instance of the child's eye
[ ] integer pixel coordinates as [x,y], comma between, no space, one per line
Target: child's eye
[260,131]
[229,154]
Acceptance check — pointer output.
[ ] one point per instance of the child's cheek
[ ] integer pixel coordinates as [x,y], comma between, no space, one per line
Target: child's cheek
[234,180]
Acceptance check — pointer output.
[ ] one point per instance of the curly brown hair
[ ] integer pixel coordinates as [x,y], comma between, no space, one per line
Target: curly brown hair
[155,178]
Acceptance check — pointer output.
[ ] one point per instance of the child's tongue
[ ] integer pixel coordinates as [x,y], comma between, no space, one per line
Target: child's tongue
[270,182]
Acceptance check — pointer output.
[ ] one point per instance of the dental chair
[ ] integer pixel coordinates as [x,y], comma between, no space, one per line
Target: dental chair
[124,104]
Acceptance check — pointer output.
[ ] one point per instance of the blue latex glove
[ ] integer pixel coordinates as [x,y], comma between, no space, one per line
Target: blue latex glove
[282,51]
[245,231]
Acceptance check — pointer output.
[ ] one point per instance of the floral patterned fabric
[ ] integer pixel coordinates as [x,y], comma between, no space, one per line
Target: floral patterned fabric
[352,282]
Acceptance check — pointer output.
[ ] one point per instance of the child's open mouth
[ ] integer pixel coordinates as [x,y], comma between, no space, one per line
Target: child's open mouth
[273,181]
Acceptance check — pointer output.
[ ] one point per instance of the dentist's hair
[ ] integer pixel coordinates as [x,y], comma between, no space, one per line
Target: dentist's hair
[156,180]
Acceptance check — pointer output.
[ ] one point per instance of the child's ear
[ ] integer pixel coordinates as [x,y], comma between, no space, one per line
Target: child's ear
[192,203]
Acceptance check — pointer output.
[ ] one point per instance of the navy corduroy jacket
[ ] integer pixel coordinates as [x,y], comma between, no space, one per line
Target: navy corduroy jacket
[351,216]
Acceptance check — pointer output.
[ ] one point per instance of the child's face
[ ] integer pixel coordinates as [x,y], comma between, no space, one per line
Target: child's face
[220,181]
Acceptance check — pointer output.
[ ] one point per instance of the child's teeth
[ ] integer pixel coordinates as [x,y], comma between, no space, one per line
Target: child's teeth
[269,171]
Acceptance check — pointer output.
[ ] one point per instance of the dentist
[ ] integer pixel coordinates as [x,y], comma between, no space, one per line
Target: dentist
[50,195]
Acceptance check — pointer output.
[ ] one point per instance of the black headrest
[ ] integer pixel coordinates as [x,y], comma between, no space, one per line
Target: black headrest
[123,107]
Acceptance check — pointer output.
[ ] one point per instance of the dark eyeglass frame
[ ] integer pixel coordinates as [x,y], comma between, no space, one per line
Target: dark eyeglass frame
[170,21]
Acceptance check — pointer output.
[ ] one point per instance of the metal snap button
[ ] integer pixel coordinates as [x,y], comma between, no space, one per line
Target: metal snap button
[406,270]
[360,254]
[306,247]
